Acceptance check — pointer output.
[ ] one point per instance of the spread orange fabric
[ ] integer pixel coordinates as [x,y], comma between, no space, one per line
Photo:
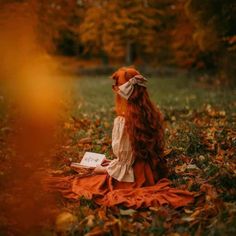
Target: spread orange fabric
[144,192]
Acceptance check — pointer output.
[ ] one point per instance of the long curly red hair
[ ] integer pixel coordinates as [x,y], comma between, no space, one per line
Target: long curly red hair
[144,122]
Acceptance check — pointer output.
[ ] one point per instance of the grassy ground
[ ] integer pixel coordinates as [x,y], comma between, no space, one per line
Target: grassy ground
[94,94]
[200,126]
[200,147]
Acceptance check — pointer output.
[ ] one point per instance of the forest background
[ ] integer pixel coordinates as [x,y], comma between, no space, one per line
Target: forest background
[156,34]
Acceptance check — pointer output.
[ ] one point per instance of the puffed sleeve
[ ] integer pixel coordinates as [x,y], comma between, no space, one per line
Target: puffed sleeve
[121,167]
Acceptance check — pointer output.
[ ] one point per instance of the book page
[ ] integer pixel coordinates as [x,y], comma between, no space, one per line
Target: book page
[91,159]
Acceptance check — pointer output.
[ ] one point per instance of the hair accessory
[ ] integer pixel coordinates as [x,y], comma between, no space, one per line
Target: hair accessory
[126,89]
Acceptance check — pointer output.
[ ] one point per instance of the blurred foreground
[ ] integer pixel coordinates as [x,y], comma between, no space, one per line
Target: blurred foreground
[31,109]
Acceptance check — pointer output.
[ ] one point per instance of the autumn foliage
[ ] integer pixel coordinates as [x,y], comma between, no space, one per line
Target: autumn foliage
[183,33]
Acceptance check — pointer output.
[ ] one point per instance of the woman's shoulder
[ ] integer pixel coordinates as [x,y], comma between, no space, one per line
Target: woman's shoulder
[120,119]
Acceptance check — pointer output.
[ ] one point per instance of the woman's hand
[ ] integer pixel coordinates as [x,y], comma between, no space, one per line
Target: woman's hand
[100,170]
[105,162]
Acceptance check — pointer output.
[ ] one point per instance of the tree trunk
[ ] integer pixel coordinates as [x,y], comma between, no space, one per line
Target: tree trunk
[128,58]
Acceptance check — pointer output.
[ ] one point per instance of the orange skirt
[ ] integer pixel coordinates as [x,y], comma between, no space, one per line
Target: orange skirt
[107,191]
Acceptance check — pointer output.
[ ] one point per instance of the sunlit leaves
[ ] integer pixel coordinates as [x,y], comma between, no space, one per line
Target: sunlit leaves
[107,28]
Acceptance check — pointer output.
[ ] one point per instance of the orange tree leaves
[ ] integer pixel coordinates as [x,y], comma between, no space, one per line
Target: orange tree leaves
[110,26]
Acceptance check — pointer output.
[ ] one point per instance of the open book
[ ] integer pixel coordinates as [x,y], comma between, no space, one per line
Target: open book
[89,160]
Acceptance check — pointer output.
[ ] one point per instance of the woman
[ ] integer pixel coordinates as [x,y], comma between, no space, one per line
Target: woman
[138,134]
[135,177]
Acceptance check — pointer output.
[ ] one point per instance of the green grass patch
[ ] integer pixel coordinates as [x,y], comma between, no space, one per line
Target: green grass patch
[93,95]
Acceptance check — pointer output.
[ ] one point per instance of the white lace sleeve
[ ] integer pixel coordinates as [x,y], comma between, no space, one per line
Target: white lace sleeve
[121,167]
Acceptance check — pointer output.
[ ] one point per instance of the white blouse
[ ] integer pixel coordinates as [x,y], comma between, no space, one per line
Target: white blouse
[121,167]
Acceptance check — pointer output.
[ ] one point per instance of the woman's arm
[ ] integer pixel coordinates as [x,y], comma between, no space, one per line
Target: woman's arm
[100,170]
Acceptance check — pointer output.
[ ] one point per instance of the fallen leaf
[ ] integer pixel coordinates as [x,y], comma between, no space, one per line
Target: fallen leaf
[188,219]
[180,168]
[188,211]
[192,167]
[65,221]
[128,212]
[87,140]
[114,226]
[97,231]
[167,151]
